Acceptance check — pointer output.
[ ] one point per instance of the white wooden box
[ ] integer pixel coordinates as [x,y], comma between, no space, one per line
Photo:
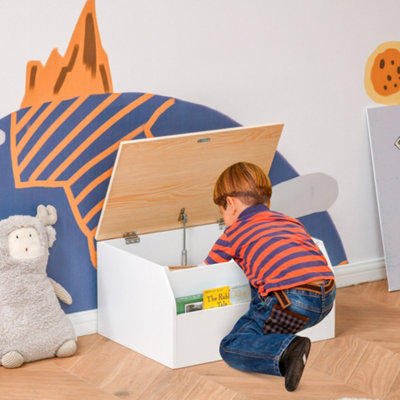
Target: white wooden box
[153,180]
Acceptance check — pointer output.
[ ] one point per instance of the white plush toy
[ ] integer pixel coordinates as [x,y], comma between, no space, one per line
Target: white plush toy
[32,324]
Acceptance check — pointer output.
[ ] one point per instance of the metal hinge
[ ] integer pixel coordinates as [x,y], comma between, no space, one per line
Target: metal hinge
[131,237]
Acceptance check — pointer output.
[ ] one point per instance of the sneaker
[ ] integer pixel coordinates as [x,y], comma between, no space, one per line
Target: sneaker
[294,361]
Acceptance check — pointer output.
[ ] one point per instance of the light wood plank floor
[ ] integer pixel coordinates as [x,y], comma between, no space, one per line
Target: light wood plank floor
[363,361]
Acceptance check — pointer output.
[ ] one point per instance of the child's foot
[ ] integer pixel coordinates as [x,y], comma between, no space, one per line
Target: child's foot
[294,360]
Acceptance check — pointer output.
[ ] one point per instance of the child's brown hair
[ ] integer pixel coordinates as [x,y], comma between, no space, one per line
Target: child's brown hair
[243,180]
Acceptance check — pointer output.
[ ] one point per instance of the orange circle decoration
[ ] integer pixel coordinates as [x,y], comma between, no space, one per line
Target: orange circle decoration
[382,74]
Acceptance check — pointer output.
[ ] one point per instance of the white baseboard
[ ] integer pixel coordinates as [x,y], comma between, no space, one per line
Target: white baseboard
[360,272]
[85,322]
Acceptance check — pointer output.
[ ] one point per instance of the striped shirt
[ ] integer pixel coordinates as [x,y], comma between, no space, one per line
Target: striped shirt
[274,251]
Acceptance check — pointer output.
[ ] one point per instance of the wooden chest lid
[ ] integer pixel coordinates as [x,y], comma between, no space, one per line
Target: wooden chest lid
[153,179]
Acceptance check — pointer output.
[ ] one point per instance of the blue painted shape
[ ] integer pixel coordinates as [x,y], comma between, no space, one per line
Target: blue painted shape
[69,262]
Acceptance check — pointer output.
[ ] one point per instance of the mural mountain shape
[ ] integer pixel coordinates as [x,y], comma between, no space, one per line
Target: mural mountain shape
[83,70]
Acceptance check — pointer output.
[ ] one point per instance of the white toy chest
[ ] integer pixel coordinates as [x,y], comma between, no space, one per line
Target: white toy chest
[158,185]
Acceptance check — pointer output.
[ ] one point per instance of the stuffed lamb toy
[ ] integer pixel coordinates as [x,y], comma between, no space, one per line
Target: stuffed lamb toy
[32,324]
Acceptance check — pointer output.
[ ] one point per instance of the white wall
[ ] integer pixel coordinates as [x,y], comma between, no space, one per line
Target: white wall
[258,61]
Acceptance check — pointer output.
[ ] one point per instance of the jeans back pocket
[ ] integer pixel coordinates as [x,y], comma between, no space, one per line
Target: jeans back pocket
[284,321]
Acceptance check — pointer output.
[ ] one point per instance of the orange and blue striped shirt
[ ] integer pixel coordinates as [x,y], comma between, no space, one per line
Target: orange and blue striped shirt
[274,250]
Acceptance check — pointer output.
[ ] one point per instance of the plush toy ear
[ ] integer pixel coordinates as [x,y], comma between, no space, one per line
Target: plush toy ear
[51,234]
[48,215]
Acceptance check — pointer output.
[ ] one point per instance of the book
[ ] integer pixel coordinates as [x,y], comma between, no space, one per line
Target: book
[211,298]
[190,303]
[240,294]
[217,297]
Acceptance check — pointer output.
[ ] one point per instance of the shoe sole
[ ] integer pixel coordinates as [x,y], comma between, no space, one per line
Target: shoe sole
[295,372]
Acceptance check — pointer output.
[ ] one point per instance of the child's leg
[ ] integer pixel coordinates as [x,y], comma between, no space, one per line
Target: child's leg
[248,349]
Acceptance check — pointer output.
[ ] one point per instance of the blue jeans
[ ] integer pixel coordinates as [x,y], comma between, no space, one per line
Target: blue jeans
[247,348]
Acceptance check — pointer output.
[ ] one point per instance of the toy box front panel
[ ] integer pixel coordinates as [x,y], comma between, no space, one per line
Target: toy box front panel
[136,306]
[137,291]
[199,334]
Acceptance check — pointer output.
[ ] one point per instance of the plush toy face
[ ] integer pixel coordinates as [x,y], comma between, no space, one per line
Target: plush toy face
[24,243]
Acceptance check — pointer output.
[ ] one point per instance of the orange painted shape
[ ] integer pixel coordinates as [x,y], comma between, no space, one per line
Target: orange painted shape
[26,117]
[45,136]
[96,209]
[385,73]
[79,220]
[81,71]
[95,135]
[160,110]
[71,135]
[382,74]
[13,148]
[104,154]
[100,179]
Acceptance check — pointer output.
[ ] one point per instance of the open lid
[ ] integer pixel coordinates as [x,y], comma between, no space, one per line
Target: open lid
[153,179]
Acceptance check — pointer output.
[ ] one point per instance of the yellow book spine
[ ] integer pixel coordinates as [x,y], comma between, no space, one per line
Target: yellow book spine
[217,297]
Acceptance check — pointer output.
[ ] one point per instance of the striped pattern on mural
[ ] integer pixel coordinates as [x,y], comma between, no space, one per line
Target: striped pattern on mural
[72,144]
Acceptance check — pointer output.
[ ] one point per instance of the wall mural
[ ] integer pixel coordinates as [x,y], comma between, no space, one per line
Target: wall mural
[60,147]
[382,74]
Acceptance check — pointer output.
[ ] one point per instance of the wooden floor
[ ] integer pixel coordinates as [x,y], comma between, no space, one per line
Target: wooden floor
[363,361]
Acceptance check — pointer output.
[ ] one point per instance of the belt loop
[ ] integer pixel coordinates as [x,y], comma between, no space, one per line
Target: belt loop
[322,286]
[282,298]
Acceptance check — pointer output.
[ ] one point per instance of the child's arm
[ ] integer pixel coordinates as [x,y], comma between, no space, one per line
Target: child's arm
[220,252]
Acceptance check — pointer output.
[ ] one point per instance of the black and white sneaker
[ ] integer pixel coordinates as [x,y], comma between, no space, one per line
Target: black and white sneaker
[294,361]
